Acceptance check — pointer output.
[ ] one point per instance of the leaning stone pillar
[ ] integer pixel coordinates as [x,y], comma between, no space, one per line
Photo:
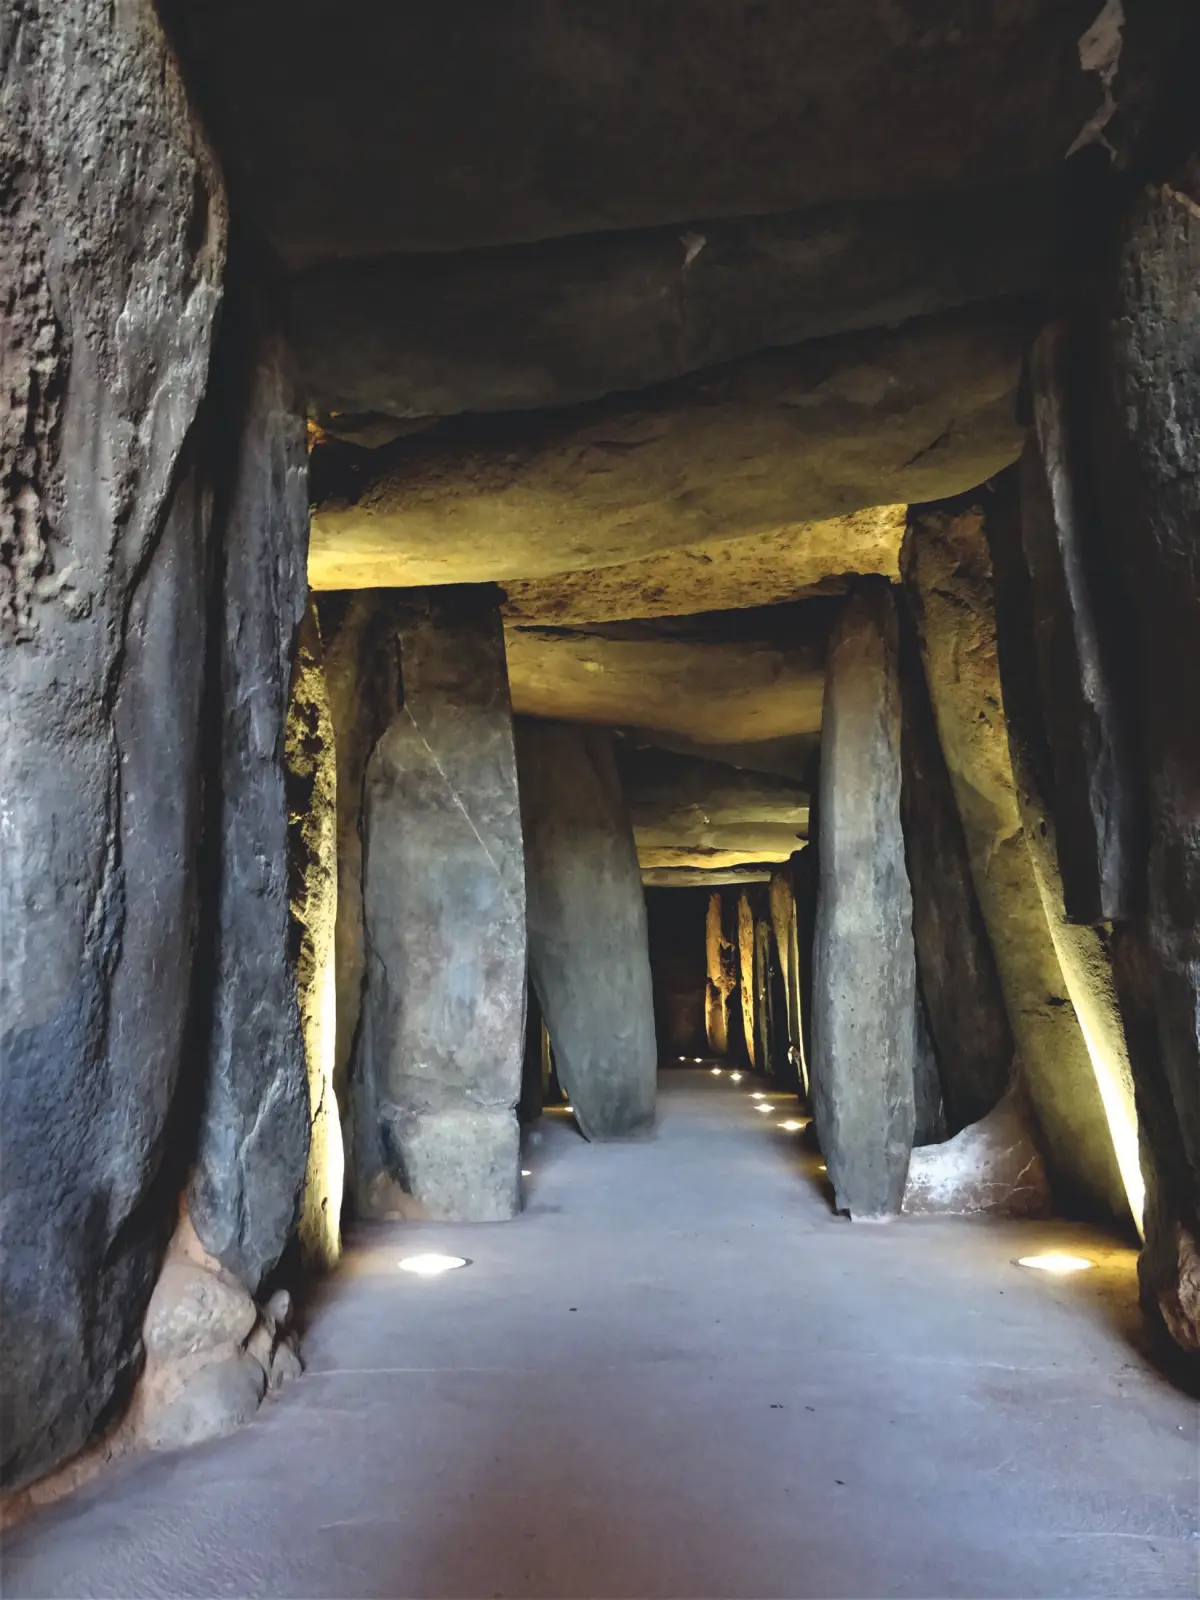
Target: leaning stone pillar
[444,908]
[716,996]
[864,981]
[588,947]
[1146,456]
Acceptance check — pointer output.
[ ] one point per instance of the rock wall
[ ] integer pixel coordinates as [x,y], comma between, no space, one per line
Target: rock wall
[312,838]
[111,286]
[587,926]
[721,976]
[252,1149]
[745,957]
[1145,454]
[444,914]
[361,639]
[949,586]
[864,978]
[956,971]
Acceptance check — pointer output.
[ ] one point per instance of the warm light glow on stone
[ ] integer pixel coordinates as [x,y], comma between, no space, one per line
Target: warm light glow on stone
[431,1265]
[1057,1262]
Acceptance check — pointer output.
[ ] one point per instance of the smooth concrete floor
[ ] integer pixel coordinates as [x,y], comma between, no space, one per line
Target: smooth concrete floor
[678,1375]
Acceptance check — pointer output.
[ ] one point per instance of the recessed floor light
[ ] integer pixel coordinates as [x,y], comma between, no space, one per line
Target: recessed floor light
[526,1173]
[735,1077]
[698,1060]
[716,1072]
[757,1094]
[1055,1261]
[762,1108]
[791,1125]
[431,1265]
[571,1109]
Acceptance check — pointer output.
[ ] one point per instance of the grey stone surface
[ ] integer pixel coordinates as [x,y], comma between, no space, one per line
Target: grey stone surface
[214,1400]
[588,949]
[929,1126]
[864,967]
[361,638]
[194,1309]
[557,323]
[475,126]
[112,252]
[950,587]
[1145,432]
[791,435]
[253,1140]
[444,904]
[964,1005]
[1080,636]
[991,1166]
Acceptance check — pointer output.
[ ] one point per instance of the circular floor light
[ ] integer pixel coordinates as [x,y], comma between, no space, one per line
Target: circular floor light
[757,1094]
[791,1126]
[716,1072]
[735,1077]
[1057,1262]
[762,1107]
[526,1172]
[431,1265]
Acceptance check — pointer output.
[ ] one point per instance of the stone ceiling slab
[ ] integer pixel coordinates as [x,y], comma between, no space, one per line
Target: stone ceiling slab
[574,319]
[711,691]
[758,570]
[789,436]
[377,128]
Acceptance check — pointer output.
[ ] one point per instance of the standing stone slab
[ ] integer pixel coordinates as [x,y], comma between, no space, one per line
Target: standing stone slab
[745,944]
[312,837]
[112,247]
[864,979]
[1079,635]
[252,1151]
[360,632]
[588,948]
[721,978]
[1146,436]
[949,584]
[964,1005]
[444,904]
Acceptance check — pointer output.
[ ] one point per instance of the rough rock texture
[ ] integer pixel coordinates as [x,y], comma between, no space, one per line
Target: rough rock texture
[989,1166]
[558,323]
[720,961]
[252,1149]
[1146,437]
[312,840]
[1080,636]
[753,676]
[782,900]
[949,585]
[110,285]
[551,121]
[587,926]
[963,1001]
[864,977]
[361,638]
[789,436]
[746,989]
[211,1353]
[699,813]
[757,570]
[1084,952]
[444,904]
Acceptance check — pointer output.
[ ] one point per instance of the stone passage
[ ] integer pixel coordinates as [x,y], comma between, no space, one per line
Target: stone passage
[587,926]
[444,905]
[865,970]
